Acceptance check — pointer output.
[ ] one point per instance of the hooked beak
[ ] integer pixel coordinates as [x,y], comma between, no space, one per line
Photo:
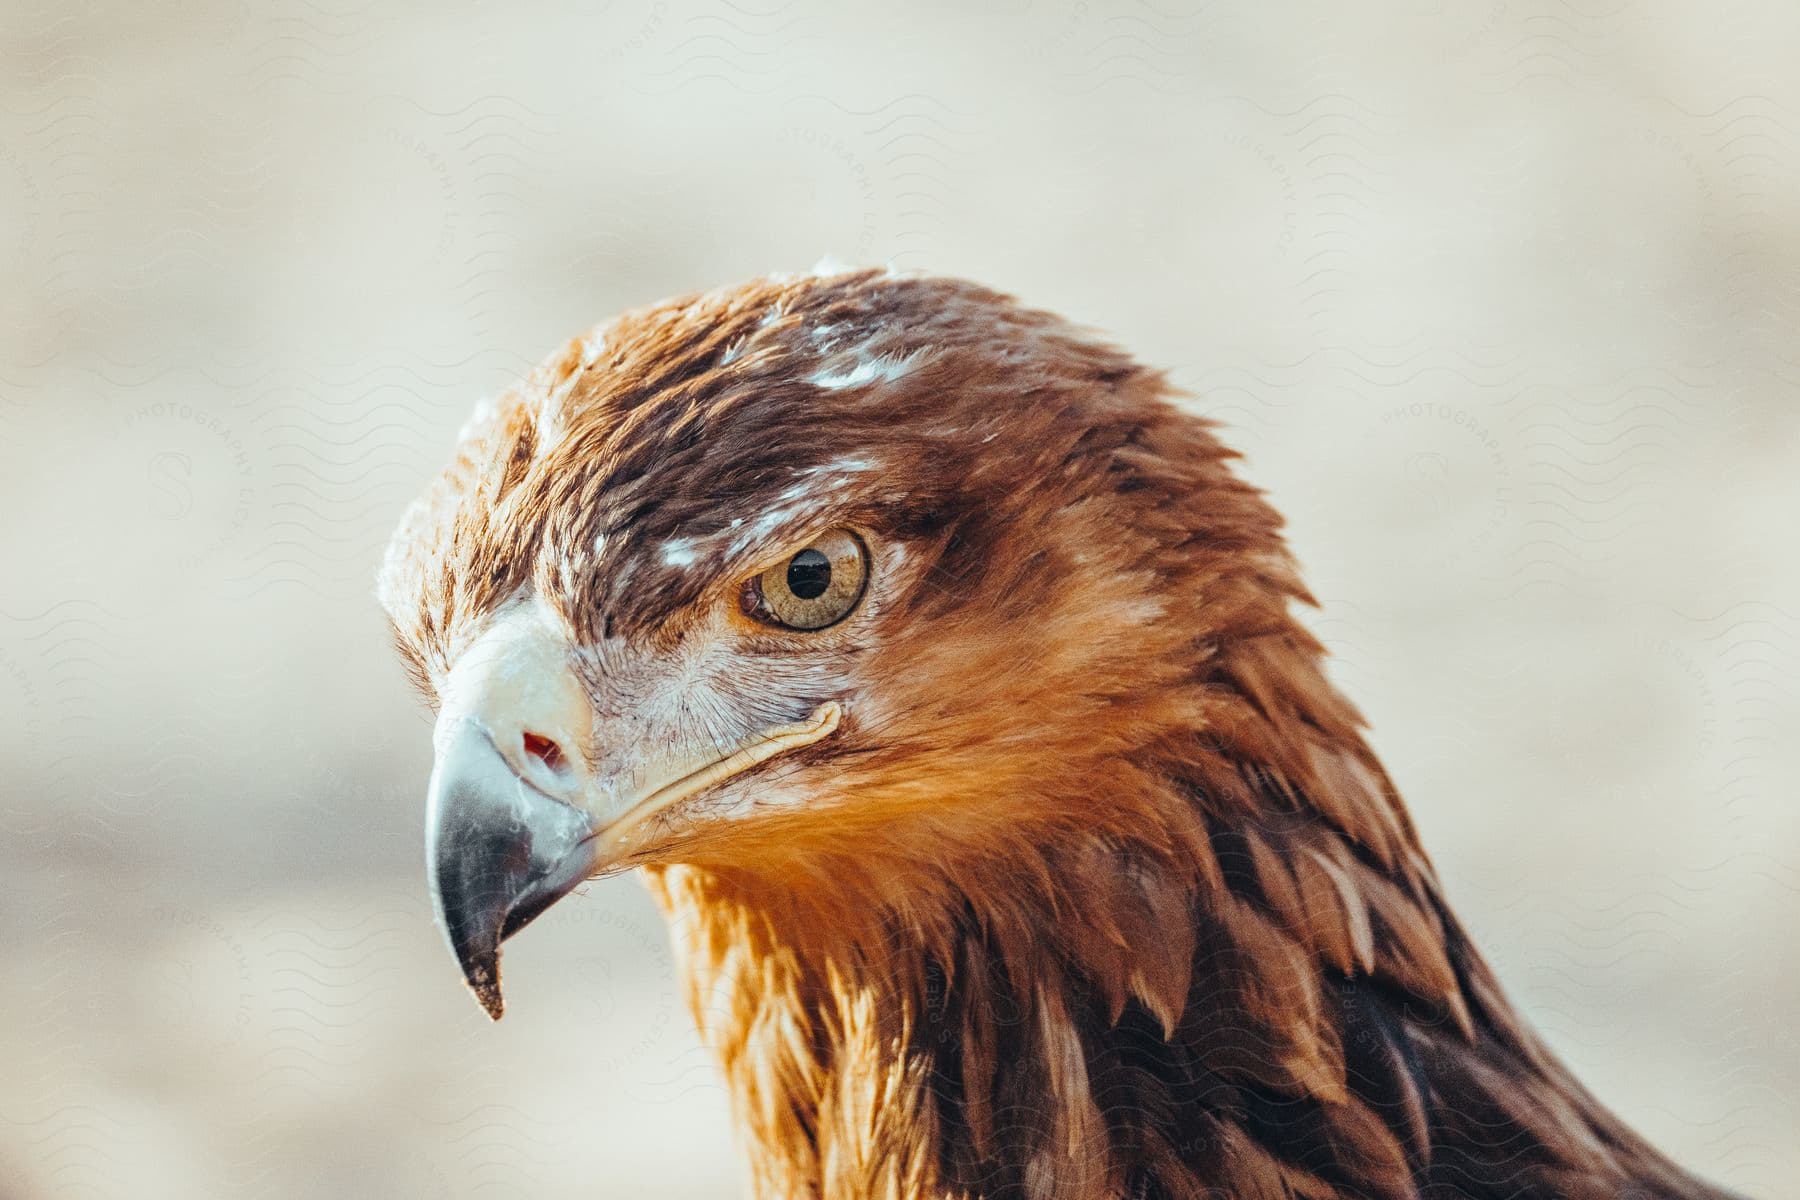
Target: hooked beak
[498,852]
[508,826]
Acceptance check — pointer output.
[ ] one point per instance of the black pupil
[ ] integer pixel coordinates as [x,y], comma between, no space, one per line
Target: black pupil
[809,574]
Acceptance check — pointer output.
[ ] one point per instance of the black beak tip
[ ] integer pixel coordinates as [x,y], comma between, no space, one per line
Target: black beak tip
[475,940]
[472,927]
[482,972]
[498,853]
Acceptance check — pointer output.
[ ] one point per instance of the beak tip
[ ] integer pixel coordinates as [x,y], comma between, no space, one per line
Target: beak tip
[482,973]
[496,855]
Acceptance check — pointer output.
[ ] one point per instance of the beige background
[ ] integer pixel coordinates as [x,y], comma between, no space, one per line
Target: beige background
[1499,299]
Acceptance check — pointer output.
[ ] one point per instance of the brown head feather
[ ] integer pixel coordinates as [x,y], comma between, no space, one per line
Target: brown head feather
[1105,895]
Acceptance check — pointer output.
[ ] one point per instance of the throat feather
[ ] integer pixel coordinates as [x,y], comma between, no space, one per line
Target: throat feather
[1245,998]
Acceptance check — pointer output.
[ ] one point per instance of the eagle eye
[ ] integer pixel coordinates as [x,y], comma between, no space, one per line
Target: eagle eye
[812,588]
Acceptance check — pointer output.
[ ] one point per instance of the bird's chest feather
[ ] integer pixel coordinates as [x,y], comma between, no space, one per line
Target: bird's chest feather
[947,1061]
[1051,1050]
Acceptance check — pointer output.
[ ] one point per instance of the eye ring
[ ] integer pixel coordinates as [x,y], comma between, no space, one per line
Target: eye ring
[813,588]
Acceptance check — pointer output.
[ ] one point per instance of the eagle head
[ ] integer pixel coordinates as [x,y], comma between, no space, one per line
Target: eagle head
[824,578]
[946,682]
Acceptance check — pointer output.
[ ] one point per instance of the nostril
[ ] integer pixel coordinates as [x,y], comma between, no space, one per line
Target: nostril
[545,750]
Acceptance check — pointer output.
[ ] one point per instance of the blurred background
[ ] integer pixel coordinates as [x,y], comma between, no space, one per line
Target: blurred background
[1499,299]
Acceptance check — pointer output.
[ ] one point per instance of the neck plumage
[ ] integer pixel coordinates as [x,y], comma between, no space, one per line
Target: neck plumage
[1241,982]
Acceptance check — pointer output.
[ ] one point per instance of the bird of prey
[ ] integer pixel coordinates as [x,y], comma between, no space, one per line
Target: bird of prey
[945,684]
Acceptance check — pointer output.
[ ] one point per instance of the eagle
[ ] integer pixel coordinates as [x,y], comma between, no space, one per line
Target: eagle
[945,684]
